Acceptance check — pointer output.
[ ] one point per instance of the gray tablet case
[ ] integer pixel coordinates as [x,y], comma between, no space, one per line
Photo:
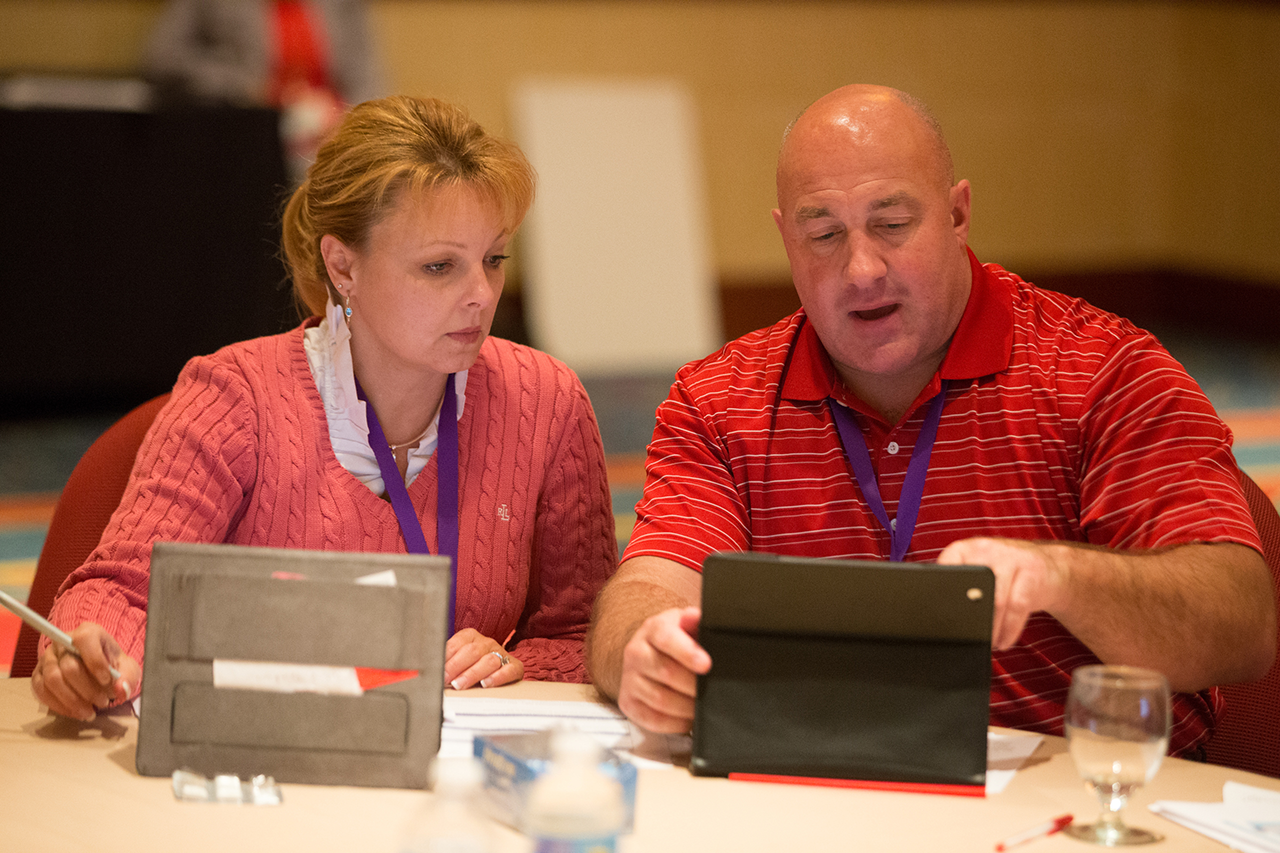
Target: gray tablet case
[230,602]
[844,669]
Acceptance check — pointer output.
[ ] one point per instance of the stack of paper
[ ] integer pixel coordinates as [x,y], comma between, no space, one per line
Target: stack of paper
[1247,819]
[468,716]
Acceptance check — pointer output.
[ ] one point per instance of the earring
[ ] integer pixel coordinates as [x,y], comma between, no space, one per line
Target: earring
[347,310]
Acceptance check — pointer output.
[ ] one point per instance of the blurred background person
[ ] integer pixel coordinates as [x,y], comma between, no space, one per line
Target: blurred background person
[309,59]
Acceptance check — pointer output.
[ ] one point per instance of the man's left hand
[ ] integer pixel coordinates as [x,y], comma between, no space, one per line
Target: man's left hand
[1027,580]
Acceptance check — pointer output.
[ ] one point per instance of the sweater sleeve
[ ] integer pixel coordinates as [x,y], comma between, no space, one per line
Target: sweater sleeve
[575,547]
[193,470]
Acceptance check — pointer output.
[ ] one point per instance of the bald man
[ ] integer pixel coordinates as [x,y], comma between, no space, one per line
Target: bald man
[1060,446]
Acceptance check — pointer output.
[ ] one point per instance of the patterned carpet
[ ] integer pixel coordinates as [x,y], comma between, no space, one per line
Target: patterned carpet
[36,457]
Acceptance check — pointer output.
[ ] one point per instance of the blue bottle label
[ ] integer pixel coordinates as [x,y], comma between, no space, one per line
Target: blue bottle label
[600,844]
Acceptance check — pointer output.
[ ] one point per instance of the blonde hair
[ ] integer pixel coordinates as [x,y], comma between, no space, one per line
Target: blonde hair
[382,148]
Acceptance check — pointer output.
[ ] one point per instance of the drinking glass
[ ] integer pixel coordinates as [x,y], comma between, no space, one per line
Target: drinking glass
[1117,724]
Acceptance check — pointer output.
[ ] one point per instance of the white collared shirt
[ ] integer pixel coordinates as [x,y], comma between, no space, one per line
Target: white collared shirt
[328,349]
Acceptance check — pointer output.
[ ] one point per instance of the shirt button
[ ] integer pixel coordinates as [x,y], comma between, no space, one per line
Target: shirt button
[892,448]
[893,525]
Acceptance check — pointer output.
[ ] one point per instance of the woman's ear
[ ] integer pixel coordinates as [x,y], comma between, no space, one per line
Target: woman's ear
[338,262]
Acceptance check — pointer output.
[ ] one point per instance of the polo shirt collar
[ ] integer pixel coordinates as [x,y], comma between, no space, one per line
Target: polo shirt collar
[983,342]
[980,347]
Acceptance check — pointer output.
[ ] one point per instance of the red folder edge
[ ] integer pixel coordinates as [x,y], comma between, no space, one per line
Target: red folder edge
[372,678]
[904,787]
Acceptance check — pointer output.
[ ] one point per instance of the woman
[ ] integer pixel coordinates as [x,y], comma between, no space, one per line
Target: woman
[396,241]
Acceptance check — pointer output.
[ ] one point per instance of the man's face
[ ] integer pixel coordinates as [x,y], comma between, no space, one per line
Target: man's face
[876,240]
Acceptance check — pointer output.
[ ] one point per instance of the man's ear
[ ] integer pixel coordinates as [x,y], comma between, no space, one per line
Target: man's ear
[338,262]
[777,219]
[960,199]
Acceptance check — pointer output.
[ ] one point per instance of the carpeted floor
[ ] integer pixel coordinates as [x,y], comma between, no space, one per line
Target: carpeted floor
[36,457]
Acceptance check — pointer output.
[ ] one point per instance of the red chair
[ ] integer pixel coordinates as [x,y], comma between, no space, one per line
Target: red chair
[1248,735]
[91,494]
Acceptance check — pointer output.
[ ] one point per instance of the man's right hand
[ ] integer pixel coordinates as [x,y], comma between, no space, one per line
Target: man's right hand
[660,666]
[642,650]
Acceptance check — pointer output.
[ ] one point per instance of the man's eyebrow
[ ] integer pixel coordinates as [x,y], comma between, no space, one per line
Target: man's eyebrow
[895,200]
[809,213]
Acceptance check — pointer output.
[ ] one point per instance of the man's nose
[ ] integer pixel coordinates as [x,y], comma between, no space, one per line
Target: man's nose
[864,263]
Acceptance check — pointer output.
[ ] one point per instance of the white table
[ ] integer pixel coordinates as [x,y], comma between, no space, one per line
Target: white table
[68,786]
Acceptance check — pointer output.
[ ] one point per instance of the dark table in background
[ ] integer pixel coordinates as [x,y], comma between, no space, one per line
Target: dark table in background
[130,242]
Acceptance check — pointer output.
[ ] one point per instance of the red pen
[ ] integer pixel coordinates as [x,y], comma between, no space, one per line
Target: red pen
[1049,828]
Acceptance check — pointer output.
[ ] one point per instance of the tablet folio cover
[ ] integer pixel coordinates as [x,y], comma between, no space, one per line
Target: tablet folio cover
[228,602]
[844,669]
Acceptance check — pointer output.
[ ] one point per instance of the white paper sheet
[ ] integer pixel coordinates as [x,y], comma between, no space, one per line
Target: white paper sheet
[467,716]
[1247,819]
[1006,753]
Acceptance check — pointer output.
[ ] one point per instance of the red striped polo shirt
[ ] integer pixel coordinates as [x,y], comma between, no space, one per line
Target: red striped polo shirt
[1061,422]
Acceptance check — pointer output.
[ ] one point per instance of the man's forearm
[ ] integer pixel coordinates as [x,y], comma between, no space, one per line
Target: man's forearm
[643,587]
[1202,614]
[607,637]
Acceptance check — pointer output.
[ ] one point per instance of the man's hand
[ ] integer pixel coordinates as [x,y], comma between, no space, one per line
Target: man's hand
[79,686]
[660,666]
[642,650]
[1201,613]
[1027,580]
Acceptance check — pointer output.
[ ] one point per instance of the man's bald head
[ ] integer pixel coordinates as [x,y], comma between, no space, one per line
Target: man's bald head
[876,229]
[860,113]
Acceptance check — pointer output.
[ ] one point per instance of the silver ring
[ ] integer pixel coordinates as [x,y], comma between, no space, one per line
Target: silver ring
[503,658]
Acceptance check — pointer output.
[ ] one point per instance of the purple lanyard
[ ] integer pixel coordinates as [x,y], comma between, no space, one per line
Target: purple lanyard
[855,447]
[446,484]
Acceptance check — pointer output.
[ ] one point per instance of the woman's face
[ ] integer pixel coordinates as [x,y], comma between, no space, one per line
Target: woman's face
[424,288]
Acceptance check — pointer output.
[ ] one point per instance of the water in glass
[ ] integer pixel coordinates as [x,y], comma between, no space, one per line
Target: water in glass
[1117,725]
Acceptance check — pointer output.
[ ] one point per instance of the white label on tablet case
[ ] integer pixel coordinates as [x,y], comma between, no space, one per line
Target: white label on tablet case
[286,677]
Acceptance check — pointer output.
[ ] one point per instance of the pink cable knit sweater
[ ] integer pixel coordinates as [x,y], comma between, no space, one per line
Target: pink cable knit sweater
[241,454]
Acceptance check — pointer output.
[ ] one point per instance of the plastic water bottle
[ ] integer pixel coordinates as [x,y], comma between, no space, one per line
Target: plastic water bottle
[451,821]
[574,807]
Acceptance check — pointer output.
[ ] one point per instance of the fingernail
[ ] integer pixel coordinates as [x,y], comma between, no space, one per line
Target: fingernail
[454,684]
[128,691]
[484,682]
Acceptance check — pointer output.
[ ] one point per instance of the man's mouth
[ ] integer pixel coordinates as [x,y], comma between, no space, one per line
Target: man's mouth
[876,313]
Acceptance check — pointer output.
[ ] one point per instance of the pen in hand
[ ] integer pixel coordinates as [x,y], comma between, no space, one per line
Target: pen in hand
[44,626]
[1047,828]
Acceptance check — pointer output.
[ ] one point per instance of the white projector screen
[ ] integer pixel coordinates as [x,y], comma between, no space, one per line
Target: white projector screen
[615,253]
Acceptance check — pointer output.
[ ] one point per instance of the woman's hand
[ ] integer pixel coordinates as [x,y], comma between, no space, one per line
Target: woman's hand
[471,658]
[80,686]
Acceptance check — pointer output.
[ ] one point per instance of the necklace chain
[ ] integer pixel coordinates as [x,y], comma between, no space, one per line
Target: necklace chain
[395,447]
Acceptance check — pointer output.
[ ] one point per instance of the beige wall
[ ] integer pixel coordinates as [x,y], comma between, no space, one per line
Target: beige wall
[1097,135]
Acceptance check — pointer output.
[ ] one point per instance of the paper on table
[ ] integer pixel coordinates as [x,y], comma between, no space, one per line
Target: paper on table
[1006,753]
[1247,819]
[465,716]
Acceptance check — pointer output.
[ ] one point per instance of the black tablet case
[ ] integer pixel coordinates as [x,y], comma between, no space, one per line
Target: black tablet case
[240,603]
[844,669]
